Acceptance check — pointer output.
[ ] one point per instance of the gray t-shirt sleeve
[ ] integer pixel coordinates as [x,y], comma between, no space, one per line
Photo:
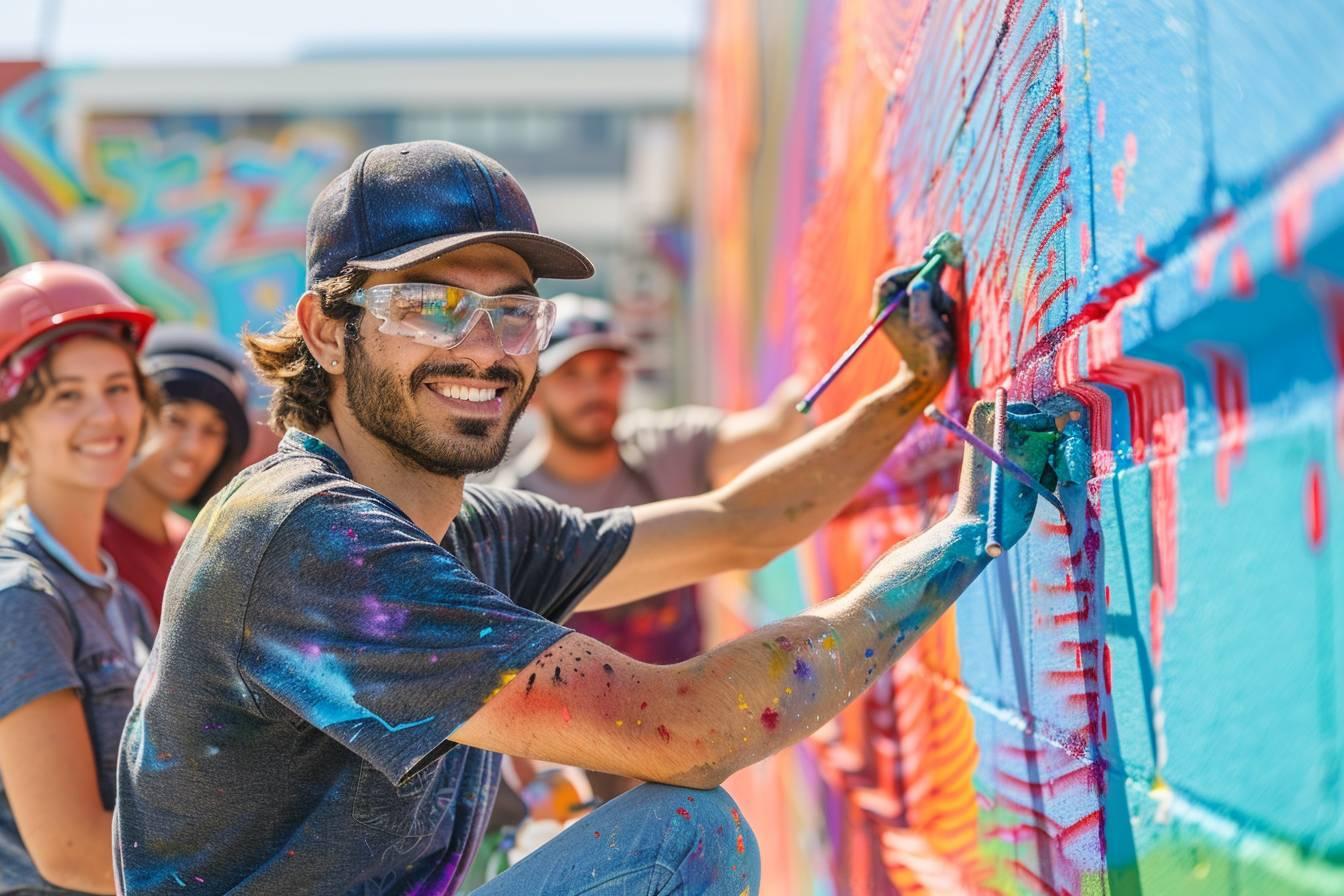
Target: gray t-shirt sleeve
[37,644]
[671,447]
[367,630]
[556,554]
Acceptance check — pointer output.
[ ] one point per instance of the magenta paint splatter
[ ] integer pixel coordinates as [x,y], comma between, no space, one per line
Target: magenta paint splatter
[664,734]
[683,813]
[382,619]
[770,719]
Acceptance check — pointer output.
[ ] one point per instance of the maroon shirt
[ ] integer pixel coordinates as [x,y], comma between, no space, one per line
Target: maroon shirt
[142,562]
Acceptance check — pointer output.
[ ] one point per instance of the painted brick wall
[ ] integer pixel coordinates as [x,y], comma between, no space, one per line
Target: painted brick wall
[1150,699]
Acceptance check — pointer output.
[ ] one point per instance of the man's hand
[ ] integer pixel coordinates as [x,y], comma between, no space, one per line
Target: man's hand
[1032,436]
[920,327]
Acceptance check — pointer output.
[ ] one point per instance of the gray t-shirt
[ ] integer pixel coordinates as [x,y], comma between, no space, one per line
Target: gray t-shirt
[292,729]
[62,627]
[664,454]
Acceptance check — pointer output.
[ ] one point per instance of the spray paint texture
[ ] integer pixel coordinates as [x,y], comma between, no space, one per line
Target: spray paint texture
[1153,256]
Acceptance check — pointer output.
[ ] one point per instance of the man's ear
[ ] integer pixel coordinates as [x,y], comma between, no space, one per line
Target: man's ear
[324,335]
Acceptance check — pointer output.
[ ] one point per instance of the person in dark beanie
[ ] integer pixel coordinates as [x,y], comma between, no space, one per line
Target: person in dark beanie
[201,435]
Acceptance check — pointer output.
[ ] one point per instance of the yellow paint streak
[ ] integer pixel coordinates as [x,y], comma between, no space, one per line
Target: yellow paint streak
[504,679]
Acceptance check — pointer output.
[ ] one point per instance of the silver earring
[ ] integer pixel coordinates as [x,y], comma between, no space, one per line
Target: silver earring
[334,363]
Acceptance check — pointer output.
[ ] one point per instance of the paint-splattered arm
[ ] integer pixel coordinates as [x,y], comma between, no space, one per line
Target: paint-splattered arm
[695,723]
[788,494]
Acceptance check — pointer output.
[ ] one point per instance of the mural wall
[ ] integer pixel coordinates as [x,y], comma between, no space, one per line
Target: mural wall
[1149,698]
[200,218]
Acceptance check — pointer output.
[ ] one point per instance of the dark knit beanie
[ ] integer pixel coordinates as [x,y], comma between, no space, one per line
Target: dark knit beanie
[189,363]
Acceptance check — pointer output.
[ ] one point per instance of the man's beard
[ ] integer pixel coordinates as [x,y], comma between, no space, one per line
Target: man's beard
[578,441]
[376,399]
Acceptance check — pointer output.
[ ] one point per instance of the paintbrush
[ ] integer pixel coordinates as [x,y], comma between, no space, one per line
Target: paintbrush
[945,249]
[1002,462]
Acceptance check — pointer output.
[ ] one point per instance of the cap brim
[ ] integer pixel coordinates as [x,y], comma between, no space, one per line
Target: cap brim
[547,257]
[557,355]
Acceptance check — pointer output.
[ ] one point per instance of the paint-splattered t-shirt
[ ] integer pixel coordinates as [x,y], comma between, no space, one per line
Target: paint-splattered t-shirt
[291,732]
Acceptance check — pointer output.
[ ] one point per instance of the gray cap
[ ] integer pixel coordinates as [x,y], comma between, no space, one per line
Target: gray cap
[582,324]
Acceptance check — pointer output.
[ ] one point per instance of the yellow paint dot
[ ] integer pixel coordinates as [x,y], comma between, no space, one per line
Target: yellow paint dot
[639,721]
[742,702]
[504,679]
[776,701]
[828,642]
[619,723]
[788,692]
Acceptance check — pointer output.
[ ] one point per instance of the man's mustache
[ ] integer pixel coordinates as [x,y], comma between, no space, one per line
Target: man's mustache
[495,373]
[591,406]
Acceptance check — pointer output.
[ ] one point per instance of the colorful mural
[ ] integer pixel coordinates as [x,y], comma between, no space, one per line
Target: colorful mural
[1149,698]
[201,219]
[39,192]
[208,226]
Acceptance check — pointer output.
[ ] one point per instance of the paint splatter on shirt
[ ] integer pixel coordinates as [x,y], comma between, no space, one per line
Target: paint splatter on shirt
[291,732]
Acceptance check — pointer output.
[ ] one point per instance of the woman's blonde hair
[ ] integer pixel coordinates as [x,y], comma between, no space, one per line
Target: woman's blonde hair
[282,359]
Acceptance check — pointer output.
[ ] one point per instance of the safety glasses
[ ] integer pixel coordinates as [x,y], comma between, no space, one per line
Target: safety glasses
[442,316]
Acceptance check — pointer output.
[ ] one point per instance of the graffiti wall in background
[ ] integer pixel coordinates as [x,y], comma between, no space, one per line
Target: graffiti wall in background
[39,191]
[1149,696]
[200,218]
[207,221]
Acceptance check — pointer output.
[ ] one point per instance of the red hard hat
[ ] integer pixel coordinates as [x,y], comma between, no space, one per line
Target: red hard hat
[42,296]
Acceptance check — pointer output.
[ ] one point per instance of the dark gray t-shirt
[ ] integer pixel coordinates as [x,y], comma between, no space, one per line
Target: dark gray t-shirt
[292,729]
[62,627]
[664,454]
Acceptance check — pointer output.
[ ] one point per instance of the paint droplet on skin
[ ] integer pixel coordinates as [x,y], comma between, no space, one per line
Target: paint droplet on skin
[664,734]
[788,692]
[564,713]
[683,813]
[742,702]
[531,680]
[644,706]
[802,670]
[868,653]
[828,642]
[770,719]
[487,630]
[683,690]
[606,667]
[619,723]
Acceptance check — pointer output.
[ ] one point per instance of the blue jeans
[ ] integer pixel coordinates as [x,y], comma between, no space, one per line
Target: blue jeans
[653,841]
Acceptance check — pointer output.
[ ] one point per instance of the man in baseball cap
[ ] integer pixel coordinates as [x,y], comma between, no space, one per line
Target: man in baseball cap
[351,636]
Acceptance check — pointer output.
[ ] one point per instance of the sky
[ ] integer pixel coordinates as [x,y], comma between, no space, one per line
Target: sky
[140,32]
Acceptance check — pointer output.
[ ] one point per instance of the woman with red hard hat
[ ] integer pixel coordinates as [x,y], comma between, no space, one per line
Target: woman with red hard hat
[72,636]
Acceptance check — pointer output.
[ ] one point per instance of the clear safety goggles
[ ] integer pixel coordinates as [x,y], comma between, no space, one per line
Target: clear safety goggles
[442,316]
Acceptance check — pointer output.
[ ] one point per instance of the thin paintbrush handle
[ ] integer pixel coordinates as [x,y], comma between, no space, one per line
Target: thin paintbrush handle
[985,448]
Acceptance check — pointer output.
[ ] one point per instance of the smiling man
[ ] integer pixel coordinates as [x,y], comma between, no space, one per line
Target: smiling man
[351,637]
